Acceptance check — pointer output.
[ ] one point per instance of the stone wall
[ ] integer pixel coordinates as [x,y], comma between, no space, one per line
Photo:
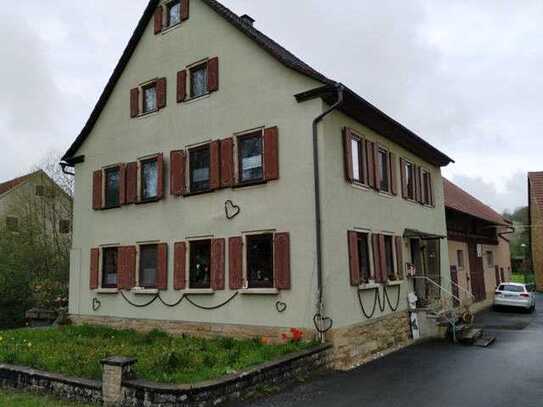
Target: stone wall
[198,329]
[360,343]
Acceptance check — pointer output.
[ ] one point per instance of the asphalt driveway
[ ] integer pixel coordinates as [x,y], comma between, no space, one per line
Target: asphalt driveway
[436,374]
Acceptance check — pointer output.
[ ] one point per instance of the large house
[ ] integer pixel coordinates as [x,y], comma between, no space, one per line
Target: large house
[225,187]
[479,249]
[535,217]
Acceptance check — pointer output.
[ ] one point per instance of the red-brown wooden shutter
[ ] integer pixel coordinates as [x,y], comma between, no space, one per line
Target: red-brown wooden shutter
[227,162]
[421,185]
[379,266]
[122,184]
[161,93]
[162,266]
[215,165]
[271,154]
[126,267]
[185,8]
[370,159]
[399,257]
[177,172]
[97,188]
[134,102]
[159,15]
[282,261]
[235,261]
[94,268]
[179,273]
[213,74]
[416,185]
[393,177]
[348,154]
[160,175]
[131,182]
[181,86]
[217,264]
[403,178]
[431,190]
[354,261]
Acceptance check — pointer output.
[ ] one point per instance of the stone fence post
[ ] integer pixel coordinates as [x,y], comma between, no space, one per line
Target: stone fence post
[115,370]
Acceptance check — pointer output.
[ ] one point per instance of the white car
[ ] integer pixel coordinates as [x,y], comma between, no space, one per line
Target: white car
[514,295]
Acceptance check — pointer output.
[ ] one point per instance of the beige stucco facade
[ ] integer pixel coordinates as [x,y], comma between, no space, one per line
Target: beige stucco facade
[255,91]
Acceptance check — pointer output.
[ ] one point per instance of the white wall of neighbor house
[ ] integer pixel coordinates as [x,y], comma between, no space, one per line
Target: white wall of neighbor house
[347,207]
[254,91]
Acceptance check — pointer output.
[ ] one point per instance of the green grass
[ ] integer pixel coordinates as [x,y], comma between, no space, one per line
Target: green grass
[77,351]
[18,399]
[522,278]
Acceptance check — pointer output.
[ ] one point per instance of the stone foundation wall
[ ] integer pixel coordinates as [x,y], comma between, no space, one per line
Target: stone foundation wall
[197,329]
[360,343]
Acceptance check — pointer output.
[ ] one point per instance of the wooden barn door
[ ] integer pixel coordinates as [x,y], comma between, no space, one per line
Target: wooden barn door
[476,273]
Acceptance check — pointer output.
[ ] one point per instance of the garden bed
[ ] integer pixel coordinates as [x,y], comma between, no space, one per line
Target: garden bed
[77,351]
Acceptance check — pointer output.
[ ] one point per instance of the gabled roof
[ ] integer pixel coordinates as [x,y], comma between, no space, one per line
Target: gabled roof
[9,185]
[378,121]
[535,179]
[459,200]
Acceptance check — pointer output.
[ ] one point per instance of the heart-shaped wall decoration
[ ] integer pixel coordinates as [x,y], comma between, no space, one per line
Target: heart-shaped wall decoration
[322,324]
[280,306]
[96,304]
[232,210]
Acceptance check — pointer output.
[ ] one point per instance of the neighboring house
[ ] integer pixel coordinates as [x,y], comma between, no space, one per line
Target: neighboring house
[196,208]
[479,252]
[535,220]
[29,195]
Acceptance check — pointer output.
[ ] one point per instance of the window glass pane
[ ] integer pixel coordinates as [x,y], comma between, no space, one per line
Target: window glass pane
[356,159]
[174,13]
[112,187]
[149,99]
[109,268]
[199,169]
[149,177]
[383,170]
[389,257]
[200,264]
[250,157]
[426,180]
[260,261]
[460,255]
[409,173]
[198,81]
[148,266]
[363,255]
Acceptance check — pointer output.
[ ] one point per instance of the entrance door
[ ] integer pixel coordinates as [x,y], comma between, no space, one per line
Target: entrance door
[477,273]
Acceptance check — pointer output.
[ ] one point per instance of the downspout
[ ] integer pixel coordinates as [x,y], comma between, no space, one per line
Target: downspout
[318,227]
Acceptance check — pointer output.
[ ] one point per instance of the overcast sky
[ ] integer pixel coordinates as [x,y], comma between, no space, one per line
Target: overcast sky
[464,75]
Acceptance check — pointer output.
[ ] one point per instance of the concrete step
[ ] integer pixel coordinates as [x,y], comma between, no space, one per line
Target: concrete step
[485,341]
[470,336]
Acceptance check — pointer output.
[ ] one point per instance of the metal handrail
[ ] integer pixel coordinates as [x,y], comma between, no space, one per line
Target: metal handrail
[438,286]
[468,292]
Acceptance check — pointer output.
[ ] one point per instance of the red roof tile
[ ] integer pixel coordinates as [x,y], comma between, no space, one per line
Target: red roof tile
[9,185]
[459,200]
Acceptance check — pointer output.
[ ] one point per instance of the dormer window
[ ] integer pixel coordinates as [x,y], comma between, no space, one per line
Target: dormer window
[173,13]
[149,98]
[198,81]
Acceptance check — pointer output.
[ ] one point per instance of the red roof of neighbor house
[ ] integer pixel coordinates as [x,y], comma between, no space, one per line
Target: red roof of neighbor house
[536,187]
[459,200]
[9,185]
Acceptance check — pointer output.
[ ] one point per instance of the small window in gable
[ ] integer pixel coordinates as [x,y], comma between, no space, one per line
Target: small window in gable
[149,179]
[198,80]
[173,13]
[109,267]
[200,264]
[260,261]
[40,190]
[148,262]
[150,103]
[199,168]
[383,169]
[112,187]
[250,157]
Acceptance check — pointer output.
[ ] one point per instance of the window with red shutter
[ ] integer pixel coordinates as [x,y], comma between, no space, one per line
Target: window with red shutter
[213,75]
[214,168]
[180,256]
[162,266]
[181,86]
[227,162]
[161,93]
[151,178]
[158,19]
[131,182]
[97,188]
[282,261]
[348,155]
[134,102]
[126,267]
[354,265]
[94,268]
[372,164]
[217,264]
[177,172]
[122,184]
[235,261]
[185,9]
[271,154]
[393,174]
[398,241]
[359,258]
[379,262]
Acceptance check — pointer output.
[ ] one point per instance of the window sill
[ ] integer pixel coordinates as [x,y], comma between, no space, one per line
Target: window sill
[200,291]
[369,286]
[385,194]
[196,193]
[108,291]
[240,185]
[394,283]
[148,201]
[166,30]
[148,114]
[197,98]
[259,291]
[362,187]
[144,291]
